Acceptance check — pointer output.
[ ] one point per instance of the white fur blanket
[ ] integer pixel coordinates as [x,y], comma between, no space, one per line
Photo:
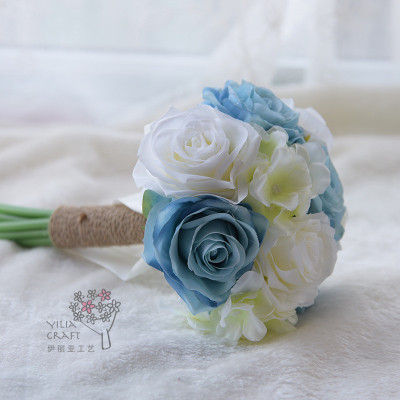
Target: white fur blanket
[347,346]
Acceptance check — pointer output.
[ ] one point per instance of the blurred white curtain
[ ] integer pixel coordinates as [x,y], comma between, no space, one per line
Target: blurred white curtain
[116,61]
[250,50]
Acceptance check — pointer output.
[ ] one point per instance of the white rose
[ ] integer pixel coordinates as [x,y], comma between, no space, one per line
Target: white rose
[199,151]
[297,258]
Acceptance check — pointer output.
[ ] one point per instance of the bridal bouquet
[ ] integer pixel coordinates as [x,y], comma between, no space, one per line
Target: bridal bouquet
[242,207]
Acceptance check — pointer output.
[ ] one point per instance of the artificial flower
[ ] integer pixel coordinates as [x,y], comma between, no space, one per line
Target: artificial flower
[284,181]
[254,104]
[314,155]
[248,312]
[199,151]
[203,245]
[315,128]
[296,258]
[286,178]
[331,202]
[244,213]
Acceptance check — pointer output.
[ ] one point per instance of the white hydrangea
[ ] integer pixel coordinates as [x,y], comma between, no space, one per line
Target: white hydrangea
[315,157]
[315,127]
[248,312]
[285,178]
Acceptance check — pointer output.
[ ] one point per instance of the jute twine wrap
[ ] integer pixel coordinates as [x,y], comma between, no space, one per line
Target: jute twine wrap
[96,226]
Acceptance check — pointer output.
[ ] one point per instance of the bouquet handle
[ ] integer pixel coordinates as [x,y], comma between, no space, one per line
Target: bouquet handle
[96,226]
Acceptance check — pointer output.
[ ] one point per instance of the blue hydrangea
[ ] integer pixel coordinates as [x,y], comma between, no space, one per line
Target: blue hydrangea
[254,104]
[331,201]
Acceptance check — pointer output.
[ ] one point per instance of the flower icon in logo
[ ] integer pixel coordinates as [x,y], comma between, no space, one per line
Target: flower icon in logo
[91,318]
[87,306]
[92,294]
[78,316]
[73,307]
[105,317]
[114,306]
[104,295]
[100,306]
[98,318]
[78,296]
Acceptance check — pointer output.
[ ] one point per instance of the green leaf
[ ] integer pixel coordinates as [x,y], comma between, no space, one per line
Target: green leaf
[150,199]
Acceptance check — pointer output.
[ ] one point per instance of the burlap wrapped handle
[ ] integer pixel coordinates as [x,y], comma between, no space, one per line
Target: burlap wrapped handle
[96,226]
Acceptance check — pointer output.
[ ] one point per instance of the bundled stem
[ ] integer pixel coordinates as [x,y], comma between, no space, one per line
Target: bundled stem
[24,212]
[26,226]
[69,227]
[96,226]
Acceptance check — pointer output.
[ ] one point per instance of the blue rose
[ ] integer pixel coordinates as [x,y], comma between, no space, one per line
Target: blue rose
[331,201]
[254,104]
[203,245]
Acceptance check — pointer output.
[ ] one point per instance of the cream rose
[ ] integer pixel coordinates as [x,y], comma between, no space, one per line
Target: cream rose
[199,151]
[296,258]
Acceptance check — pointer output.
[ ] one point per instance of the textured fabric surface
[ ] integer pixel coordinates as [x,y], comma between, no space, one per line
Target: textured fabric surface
[346,346]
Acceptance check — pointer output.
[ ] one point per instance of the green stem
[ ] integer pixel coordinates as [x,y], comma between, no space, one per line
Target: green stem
[27,227]
[34,242]
[24,211]
[7,217]
[25,235]
[24,225]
